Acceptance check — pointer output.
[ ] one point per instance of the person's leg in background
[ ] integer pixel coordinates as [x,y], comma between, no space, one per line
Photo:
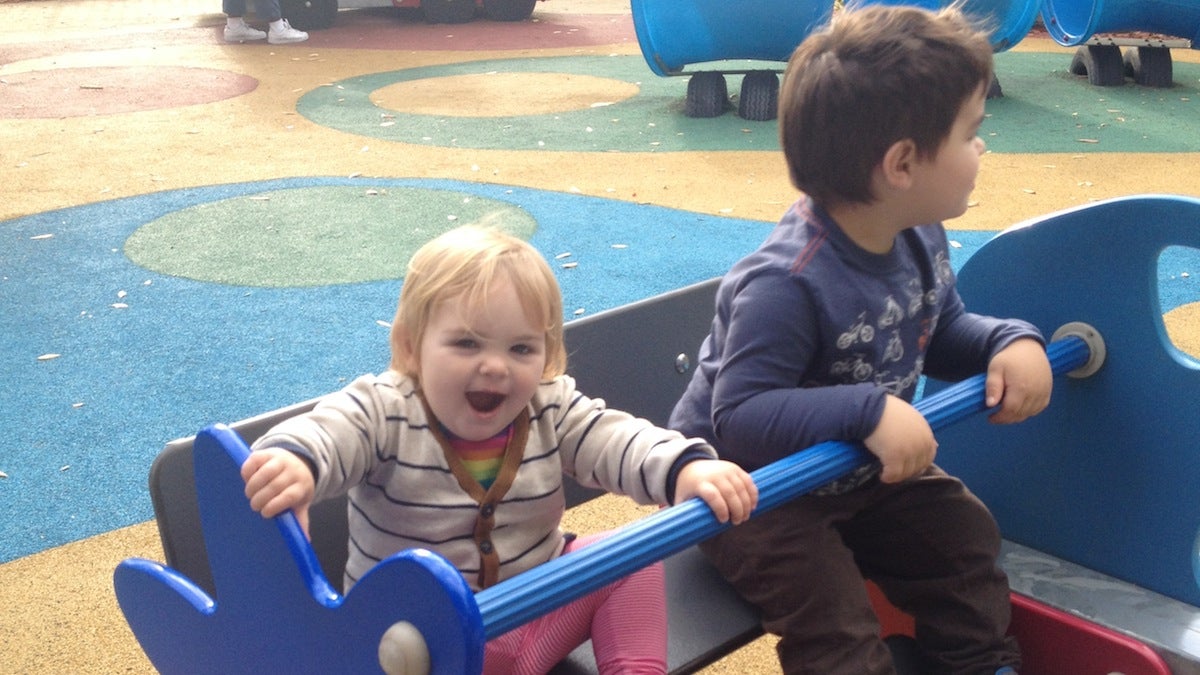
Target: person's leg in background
[236,29]
[279,31]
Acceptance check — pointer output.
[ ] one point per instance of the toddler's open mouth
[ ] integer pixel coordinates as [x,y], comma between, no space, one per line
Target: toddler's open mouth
[484,401]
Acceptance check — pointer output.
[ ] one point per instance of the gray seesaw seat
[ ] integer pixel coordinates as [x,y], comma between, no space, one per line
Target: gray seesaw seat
[639,358]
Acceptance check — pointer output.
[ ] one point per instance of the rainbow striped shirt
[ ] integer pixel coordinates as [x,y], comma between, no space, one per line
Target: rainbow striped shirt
[482,458]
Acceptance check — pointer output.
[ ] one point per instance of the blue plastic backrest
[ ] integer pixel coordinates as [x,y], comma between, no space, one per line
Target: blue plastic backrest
[1108,476]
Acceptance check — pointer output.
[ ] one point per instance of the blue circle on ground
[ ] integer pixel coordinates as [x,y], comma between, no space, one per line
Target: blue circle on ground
[146,355]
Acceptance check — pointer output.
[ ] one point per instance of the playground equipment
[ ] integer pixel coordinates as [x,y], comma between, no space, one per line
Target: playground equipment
[675,34]
[276,611]
[1101,507]
[1114,458]
[1010,20]
[318,14]
[1147,29]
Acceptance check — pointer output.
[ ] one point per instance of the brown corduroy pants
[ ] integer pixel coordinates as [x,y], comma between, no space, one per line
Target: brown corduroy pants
[929,544]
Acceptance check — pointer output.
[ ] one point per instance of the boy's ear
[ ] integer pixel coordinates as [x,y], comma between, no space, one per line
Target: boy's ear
[898,164]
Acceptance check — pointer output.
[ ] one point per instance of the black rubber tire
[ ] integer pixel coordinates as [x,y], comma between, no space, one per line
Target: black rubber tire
[994,89]
[448,11]
[707,95]
[1150,66]
[309,14]
[508,10]
[759,98]
[1102,64]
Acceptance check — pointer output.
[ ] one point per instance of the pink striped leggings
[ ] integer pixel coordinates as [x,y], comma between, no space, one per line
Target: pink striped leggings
[626,621]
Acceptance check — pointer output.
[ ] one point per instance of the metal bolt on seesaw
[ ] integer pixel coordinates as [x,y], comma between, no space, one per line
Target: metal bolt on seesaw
[1076,350]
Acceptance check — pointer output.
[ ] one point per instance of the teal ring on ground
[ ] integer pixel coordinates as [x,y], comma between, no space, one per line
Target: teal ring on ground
[651,121]
[1045,109]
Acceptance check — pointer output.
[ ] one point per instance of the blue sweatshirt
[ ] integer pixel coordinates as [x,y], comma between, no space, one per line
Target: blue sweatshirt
[811,332]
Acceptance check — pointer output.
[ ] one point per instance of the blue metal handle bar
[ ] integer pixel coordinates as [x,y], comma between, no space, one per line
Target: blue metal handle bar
[525,597]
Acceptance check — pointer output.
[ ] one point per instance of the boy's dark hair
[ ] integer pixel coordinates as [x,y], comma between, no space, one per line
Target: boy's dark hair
[874,76]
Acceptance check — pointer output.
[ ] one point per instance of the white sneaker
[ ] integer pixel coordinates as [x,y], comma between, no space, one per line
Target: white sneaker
[286,34]
[243,33]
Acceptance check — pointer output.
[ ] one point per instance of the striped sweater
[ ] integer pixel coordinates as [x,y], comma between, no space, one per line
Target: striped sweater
[376,441]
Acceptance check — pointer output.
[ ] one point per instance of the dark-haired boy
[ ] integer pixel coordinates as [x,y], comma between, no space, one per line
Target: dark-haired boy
[823,332]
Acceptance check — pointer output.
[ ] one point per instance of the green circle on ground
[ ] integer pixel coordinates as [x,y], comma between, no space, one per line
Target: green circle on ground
[312,236]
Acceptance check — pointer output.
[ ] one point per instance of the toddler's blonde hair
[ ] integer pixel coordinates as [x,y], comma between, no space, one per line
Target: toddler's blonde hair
[465,262]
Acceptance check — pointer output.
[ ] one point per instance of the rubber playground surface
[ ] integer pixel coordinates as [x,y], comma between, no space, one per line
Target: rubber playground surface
[163,189]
